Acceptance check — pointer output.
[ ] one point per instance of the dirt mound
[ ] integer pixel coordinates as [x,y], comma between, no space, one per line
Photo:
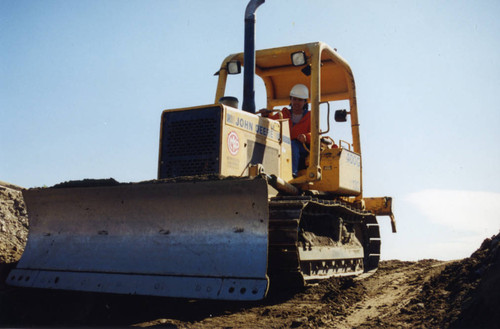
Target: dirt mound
[13,224]
[13,228]
[466,294]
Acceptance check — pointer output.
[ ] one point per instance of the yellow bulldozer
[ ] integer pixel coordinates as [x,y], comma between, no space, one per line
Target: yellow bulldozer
[225,218]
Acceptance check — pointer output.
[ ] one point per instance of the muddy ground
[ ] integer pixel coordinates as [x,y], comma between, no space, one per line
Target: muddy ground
[423,294]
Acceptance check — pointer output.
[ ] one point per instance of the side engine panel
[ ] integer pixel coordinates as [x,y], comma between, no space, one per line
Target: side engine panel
[218,139]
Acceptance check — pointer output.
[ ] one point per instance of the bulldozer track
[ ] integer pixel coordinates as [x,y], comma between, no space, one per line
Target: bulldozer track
[308,239]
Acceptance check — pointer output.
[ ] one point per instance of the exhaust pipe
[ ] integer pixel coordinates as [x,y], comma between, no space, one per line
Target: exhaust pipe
[249,56]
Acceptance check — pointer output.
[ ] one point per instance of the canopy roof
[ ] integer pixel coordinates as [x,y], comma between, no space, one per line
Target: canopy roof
[275,67]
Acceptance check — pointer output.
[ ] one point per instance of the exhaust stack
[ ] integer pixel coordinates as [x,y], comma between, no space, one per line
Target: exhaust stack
[249,56]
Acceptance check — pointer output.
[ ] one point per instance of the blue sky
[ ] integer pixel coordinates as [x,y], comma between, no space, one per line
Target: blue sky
[83,84]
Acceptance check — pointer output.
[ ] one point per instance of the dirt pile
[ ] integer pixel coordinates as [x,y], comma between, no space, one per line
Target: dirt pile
[13,227]
[466,294]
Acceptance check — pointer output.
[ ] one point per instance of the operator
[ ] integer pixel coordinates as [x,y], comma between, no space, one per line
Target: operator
[299,120]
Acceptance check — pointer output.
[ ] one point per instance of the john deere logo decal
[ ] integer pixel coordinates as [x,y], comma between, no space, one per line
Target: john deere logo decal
[233,143]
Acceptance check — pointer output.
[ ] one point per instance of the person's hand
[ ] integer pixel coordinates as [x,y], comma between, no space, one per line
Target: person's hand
[302,138]
[264,112]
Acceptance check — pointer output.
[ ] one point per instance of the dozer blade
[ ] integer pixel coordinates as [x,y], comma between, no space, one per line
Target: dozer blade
[192,239]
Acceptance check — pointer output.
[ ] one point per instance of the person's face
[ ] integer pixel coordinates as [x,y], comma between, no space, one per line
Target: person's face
[297,104]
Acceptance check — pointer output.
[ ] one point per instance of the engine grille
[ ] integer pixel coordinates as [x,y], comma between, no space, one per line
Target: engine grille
[190,142]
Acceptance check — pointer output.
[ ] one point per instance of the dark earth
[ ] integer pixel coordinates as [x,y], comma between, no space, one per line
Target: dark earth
[424,294]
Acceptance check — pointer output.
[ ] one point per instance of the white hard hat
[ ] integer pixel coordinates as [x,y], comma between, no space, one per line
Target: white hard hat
[300,91]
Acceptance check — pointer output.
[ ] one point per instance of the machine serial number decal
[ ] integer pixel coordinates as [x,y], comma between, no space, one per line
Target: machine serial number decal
[233,143]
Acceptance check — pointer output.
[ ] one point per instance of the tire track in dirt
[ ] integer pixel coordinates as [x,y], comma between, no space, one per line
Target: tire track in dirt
[389,292]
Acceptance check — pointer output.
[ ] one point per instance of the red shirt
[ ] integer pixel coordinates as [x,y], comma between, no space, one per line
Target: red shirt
[303,127]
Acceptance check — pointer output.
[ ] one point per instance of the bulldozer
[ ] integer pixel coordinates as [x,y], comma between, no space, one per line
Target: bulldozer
[225,219]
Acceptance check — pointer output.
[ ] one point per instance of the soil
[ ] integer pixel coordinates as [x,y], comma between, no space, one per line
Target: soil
[424,294]
[13,227]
